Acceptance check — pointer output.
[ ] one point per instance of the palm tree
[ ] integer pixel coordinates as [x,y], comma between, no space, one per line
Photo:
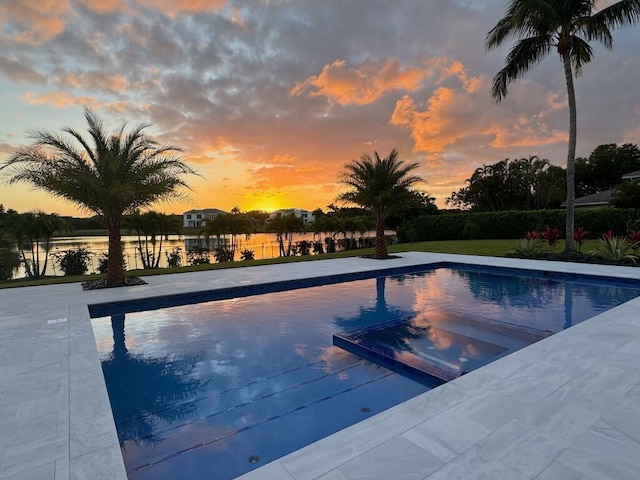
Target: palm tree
[32,232]
[112,176]
[378,185]
[154,227]
[284,226]
[541,25]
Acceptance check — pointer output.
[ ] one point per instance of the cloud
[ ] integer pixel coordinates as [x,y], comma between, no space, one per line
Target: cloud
[103,6]
[282,176]
[6,148]
[33,22]
[367,82]
[176,7]
[59,99]
[453,116]
[359,85]
[18,72]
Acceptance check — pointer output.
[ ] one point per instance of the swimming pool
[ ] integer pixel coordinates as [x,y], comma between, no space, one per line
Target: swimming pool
[249,379]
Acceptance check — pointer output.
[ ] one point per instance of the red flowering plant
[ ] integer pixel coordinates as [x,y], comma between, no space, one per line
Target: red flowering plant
[609,235]
[579,236]
[551,236]
[531,235]
[634,239]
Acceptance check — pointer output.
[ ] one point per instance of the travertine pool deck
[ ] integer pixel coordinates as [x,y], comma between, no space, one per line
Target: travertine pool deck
[567,407]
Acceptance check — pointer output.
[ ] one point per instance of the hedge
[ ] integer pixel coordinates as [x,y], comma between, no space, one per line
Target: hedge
[514,224]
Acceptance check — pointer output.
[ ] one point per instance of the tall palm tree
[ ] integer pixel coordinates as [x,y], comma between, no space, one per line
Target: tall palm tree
[542,25]
[111,175]
[378,185]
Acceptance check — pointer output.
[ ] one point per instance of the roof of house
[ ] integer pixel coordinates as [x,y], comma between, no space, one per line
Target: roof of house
[593,200]
[205,210]
[631,176]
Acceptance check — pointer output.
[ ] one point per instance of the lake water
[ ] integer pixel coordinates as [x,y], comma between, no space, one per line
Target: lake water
[264,245]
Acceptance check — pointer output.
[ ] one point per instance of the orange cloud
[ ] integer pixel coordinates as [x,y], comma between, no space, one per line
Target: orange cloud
[360,85]
[289,175]
[466,114]
[432,129]
[96,80]
[285,160]
[37,22]
[59,100]
[367,82]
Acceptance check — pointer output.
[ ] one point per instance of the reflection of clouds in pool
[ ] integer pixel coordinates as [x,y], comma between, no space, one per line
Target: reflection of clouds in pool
[335,358]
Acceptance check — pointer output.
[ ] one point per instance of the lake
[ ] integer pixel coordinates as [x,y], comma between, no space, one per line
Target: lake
[264,245]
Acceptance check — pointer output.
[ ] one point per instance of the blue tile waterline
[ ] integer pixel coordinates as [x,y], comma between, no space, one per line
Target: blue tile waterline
[188,456]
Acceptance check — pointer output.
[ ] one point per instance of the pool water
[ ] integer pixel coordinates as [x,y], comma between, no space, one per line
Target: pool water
[216,389]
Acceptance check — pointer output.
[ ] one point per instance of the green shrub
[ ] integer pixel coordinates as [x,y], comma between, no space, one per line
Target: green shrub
[615,248]
[247,254]
[198,256]
[74,261]
[174,258]
[511,224]
[530,247]
[471,230]
[9,261]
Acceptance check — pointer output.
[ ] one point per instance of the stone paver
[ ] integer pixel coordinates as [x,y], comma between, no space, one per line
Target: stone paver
[566,407]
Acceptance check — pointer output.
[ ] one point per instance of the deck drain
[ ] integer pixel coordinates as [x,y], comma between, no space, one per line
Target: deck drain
[365,409]
[254,459]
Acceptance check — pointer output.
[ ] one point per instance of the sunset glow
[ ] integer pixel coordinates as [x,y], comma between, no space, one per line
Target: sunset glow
[269,100]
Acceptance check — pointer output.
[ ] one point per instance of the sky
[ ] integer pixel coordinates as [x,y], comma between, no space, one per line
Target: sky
[269,99]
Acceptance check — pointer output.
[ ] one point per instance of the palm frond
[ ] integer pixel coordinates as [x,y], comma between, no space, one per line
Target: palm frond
[626,12]
[377,183]
[581,54]
[521,58]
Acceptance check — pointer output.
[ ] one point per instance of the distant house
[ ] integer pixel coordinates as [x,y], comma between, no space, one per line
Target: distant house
[197,218]
[306,216]
[632,176]
[601,199]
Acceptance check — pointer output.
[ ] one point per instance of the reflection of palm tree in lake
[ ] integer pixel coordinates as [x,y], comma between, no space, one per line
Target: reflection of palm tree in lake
[141,387]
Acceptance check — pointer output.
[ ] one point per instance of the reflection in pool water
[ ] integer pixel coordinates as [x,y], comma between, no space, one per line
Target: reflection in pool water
[213,390]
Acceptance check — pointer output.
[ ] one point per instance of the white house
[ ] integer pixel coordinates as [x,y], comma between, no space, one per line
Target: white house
[306,216]
[195,218]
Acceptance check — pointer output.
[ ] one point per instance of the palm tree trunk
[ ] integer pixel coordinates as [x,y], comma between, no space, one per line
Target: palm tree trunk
[571,155]
[115,267]
[381,242]
[157,264]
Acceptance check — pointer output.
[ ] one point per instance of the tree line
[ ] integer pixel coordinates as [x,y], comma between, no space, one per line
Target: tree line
[533,183]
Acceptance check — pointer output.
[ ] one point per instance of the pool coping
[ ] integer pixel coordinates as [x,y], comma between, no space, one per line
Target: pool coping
[57,398]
